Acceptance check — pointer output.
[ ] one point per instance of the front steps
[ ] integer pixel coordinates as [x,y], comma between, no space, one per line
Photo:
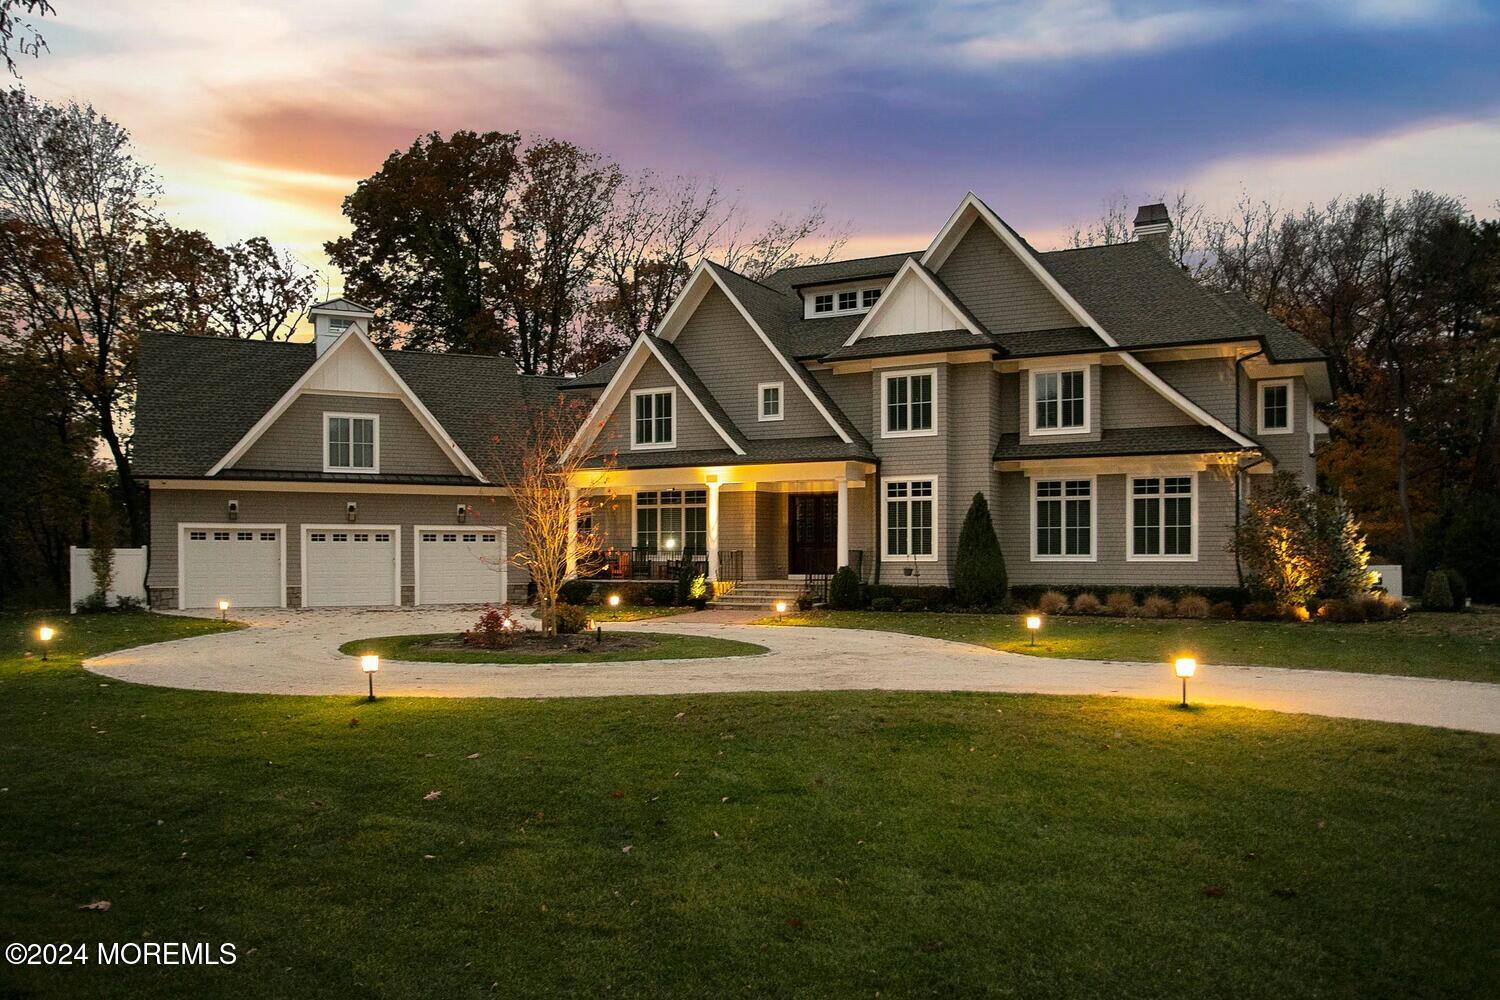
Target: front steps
[761,594]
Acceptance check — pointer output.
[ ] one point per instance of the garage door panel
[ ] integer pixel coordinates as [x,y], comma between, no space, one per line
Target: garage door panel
[240,564]
[349,567]
[459,566]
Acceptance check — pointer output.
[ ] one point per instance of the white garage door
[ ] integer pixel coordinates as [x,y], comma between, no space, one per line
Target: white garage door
[349,565]
[460,566]
[238,563]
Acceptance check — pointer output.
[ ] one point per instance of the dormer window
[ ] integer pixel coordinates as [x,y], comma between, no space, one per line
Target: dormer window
[351,442]
[653,425]
[871,296]
[848,301]
[841,301]
[770,400]
[823,303]
[336,327]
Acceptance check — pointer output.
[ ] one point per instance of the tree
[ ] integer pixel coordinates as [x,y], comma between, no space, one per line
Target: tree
[979,567]
[75,206]
[102,545]
[1346,570]
[1281,544]
[246,290]
[18,32]
[552,487]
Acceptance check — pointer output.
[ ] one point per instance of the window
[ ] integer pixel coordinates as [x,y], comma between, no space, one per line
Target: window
[221,536]
[350,442]
[362,536]
[823,303]
[1160,518]
[672,521]
[340,536]
[848,301]
[489,538]
[653,426]
[842,301]
[244,536]
[1276,407]
[1059,401]
[770,400]
[383,536]
[1064,519]
[871,296]
[429,536]
[908,404]
[910,531]
[317,536]
[198,536]
[338,326]
[268,536]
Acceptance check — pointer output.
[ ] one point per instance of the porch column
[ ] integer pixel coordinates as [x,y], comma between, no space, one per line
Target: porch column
[843,528]
[572,567]
[713,531]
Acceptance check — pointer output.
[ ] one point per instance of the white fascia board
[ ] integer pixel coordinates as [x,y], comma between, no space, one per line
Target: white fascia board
[424,416]
[888,296]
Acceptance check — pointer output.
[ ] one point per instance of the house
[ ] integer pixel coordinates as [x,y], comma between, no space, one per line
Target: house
[1114,412]
[328,473]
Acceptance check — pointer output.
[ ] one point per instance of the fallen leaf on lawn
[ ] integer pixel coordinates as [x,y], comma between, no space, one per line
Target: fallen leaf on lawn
[793,922]
[617,794]
[428,857]
[99,904]
[353,723]
[679,715]
[1282,893]
[432,796]
[472,756]
[724,799]
[626,848]
[1213,891]
[932,946]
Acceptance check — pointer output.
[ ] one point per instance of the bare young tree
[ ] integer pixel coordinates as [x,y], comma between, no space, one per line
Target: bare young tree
[783,242]
[18,32]
[1188,246]
[553,487]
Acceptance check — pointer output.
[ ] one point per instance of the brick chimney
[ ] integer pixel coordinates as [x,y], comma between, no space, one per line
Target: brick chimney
[330,319]
[1153,226]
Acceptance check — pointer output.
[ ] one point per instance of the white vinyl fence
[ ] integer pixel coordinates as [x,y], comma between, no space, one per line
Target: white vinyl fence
[1389,577]
[130,575]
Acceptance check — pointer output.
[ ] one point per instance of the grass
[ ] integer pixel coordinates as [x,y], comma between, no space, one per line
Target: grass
[1464,647]
[657,646]
[830,844]
[631,613]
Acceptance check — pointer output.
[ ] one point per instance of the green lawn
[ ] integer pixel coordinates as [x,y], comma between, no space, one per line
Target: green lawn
[631,613]
[659,646]
[832,844]
[1462,647]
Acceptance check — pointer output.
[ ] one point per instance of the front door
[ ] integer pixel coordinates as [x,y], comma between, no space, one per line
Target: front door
[813,524]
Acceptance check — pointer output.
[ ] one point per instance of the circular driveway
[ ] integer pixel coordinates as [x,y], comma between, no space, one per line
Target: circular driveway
[296,652]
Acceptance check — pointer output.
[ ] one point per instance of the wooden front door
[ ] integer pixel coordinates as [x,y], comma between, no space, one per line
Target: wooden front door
[813,525]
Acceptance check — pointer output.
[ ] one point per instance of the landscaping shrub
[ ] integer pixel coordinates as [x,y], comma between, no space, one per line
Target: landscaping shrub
[495,629]
[1459,587]
[1052,603]
[882,604]
[577,592]
[1086,604]
[1346,570]
[570,619]
[1222,610]
[1120,602]
[1193,606]
[979,567]
[102,545]
[1027,595]
[843,590]
[1157,606]
[93,604]
[683,591]
[640,594]
[913,604]
[1381,607]
[698,592]
[1437,595]
[1338,609]
[1295,543]
[1262,611]
[933,597]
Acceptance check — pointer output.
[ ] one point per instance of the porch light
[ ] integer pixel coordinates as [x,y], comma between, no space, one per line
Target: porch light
[614,600]
[223,611]
[370,663]
[45,634]
[670,544]
[1033,622]
[1185,667]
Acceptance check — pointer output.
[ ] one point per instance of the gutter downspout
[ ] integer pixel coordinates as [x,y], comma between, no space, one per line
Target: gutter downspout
[1240,470]
[875,577]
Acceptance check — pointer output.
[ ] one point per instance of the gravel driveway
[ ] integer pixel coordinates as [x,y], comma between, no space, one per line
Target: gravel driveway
[296,652]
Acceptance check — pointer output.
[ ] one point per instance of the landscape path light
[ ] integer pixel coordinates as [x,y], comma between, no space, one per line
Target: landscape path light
[780,609]
[223,611]
[1033,622]
[1185,667]
[370,663]
[45,634]
[614,600]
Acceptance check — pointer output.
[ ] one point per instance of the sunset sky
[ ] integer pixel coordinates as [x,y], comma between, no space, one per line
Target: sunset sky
[261,116]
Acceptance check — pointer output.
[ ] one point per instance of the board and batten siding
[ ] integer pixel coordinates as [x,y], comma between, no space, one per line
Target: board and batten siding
[170,508]
[998,288]
[294,443]
[1214,566]
[692,432]
[732,361]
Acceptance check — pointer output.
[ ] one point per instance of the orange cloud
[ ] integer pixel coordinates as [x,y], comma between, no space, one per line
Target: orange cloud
[310,138]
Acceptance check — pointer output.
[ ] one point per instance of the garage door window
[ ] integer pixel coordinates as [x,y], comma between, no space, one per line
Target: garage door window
[198,536]
[317,536]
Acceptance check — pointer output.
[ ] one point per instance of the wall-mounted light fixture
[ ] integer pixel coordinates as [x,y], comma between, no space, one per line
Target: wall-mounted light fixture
[462,513]
[234,510]
[351,511]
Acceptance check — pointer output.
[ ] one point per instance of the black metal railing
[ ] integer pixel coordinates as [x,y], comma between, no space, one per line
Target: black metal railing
[815,585]
[731,566]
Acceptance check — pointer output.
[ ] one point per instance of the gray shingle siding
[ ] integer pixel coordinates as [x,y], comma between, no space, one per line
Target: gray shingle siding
[692,432]
[1129,402]
[998,289]
[1209,382]
[295,441]
[1290,451]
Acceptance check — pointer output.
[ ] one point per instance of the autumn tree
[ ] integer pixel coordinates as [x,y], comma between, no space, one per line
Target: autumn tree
[247,290]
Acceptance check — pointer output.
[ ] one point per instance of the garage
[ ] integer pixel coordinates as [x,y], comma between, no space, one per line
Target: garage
[238,563]
[349,565]
[458,565]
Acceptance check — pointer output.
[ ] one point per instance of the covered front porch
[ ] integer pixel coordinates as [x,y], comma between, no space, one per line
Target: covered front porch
[732,523]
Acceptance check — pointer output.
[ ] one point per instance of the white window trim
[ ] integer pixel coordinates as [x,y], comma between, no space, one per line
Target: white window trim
[374,451]
[885,538]
[810,298]
[1260,406]
[1130,555]
[1088,400]
[885,431]
[654,445]
[1093,482]
[683,505]
[760,401]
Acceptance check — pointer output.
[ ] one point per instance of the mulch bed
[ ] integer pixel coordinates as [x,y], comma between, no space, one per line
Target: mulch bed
[532,642]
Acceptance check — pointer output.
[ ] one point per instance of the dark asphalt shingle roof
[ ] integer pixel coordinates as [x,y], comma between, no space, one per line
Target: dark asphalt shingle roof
[198,396]
[911,343]
[854,269]
[695,385]
[1177,440]
[758,452]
